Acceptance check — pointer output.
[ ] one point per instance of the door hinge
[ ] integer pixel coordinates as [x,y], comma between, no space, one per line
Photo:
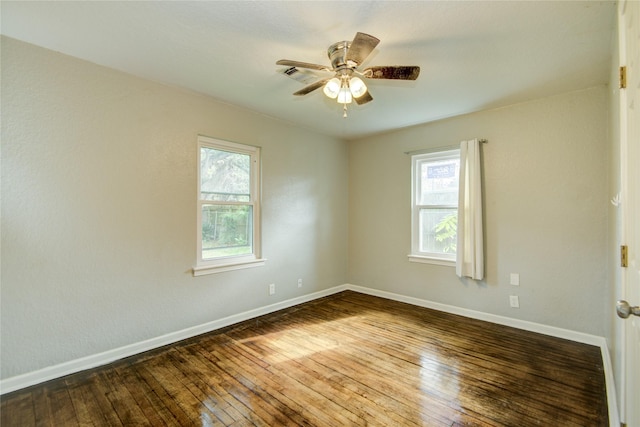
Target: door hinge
[624,260]
[623,77]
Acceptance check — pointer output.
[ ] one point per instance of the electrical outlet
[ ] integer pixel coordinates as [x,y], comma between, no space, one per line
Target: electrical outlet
[515,279]
[272,289]
[299,283]
[513,301]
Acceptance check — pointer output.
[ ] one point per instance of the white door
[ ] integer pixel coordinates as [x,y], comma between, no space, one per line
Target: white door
[628,23]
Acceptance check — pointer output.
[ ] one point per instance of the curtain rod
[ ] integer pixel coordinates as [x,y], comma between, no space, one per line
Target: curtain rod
[445,148]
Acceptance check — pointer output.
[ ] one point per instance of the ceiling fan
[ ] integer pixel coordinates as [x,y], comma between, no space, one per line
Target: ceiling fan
[346,84]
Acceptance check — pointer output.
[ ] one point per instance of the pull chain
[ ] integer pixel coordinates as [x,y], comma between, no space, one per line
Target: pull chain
[344,111]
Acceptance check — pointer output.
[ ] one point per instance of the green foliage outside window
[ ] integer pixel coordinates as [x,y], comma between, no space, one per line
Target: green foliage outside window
[225,226]
[446,232]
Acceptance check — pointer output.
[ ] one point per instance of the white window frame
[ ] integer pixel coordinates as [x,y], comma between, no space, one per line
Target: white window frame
[416,255]
[228,263]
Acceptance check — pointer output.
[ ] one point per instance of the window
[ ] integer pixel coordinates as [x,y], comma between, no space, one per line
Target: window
[434,212]
[228,206]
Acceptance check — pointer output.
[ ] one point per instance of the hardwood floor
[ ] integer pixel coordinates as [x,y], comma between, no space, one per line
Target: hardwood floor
[345,360]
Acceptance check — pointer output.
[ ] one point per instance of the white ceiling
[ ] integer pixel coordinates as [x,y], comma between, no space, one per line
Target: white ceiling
[473,55]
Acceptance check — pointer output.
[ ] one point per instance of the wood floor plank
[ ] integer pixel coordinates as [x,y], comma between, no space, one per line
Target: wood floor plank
[83,411]
[61,407]
[159,369]
[208,379]
[121,399]
[313,403]
[214,404]
[20,412]
[344,360]
[395,362]
[270,403]
[104,411]
[350,368]
[41,408]
[491,391]
[155,414]
[141,387]
[80,390]
[565,370]
[162,397]
[241,398]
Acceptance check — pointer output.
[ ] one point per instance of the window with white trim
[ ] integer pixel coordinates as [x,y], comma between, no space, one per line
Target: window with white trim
[228,206]
[434,206]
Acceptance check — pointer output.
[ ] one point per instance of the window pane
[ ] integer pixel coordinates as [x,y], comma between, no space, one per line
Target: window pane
[224,176]
[226,231]
[439,182]
[437,232]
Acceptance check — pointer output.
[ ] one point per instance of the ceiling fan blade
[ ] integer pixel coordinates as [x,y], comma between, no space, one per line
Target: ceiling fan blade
[364,98]
[308,89]
[397,72]
[361,46]
[303,76]
[308,65]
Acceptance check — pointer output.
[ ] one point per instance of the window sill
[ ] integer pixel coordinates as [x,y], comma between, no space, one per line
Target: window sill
[430,260]
[202,270]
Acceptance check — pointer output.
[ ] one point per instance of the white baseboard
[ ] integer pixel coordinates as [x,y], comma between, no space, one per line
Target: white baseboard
[601,342]
[51,372]
[36,377]
[492,318]
[612,401]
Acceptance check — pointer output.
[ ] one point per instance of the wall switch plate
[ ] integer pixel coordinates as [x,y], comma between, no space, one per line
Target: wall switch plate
[272,289]
[513,301]
[299,283]
[515,279]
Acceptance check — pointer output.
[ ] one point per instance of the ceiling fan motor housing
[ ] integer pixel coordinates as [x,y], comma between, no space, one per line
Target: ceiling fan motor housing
[337,53]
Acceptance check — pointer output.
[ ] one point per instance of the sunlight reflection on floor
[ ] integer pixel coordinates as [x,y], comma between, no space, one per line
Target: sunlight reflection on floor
[295,343]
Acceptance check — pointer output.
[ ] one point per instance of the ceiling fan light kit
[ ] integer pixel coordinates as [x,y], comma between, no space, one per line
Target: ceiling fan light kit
[332,88]
[357,87]
[346,85]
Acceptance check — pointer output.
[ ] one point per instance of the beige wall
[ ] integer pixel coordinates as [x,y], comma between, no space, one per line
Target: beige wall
[99,210]
[546,197]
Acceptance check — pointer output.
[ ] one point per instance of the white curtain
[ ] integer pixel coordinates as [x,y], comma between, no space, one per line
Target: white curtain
[470,252]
